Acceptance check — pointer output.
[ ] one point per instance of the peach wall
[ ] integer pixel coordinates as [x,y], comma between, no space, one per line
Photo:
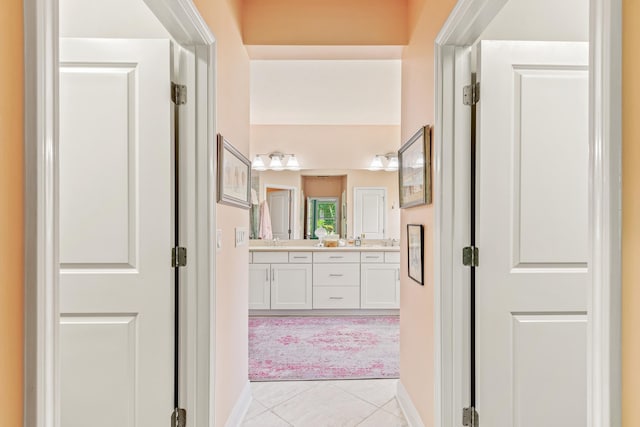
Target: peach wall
[327,22]
[342,147]
[630,213]
[416,302]
[232,276]
[11,212]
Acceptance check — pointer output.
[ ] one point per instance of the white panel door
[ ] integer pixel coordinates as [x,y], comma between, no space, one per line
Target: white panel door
[280,212]
[116,334]
[369,210]
[532,233]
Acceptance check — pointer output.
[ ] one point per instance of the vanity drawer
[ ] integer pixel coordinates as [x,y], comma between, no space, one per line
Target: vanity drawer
[300,257]
[270,257]
[336,257]
[336,275]
[336,297]
[392,257]
[372,257]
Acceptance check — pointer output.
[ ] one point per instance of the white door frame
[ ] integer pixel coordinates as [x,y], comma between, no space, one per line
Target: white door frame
[295,209]
[41,395]
[464,26]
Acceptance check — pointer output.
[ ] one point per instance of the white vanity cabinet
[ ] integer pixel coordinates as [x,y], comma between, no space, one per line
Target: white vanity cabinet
[336,280]
[380,280]
[324,279]
[259,286]
[277,284]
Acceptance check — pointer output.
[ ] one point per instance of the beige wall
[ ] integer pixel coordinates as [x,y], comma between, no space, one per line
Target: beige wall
[630,214]
[232,275]
[416,302]
[327,146]
[11,213]
[327,22]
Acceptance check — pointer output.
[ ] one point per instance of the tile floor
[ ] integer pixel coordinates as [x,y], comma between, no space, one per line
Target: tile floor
[363,403]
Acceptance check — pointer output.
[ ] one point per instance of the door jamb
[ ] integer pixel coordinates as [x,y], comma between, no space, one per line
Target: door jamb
[41,343]
[465,24]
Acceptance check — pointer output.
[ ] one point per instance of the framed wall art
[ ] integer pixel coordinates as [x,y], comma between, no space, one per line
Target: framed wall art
[415,247]
[234,175]
[414,169]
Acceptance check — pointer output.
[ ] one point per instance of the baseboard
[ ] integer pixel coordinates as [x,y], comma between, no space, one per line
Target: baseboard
[408,409]
[240,408]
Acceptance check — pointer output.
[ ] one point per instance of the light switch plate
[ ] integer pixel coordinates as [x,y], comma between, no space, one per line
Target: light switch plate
[241,236]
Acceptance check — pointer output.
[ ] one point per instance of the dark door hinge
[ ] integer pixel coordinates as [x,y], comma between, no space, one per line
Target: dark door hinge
[179,257]
[178,94]
[470,256]
[470,417]
[471,94]
[179,418]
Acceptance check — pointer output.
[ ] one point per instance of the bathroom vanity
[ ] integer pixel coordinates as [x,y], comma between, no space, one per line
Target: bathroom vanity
[315,278]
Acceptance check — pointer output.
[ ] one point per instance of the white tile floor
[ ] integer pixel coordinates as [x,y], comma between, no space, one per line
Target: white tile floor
[363,403]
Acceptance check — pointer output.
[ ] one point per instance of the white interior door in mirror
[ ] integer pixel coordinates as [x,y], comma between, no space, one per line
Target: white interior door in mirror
[116,333]
[281,213]
[369,212]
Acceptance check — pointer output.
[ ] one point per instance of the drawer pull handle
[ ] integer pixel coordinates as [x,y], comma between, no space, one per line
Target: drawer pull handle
[336,297]
[299,257]
[336,275]
[372,257]
[336,257]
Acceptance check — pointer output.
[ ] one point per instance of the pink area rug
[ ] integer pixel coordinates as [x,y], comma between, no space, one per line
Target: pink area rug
[311,348]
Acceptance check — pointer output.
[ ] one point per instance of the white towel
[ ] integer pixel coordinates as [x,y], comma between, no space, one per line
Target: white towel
[265,232]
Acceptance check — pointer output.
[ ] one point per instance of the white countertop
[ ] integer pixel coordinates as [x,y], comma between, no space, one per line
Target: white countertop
[367,248]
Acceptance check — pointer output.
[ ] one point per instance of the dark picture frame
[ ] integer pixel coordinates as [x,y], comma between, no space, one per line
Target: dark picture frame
[414,169]
[234,176]
[415,252]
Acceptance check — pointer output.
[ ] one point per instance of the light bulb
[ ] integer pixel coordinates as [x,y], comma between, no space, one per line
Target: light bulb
[376,164]
[292,163]
[258,164]
[276,162]
[393,164]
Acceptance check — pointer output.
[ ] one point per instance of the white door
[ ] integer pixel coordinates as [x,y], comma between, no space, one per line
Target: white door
[291,286]
[259,286]
[116,334]
[368,212]
[532,233]
[280,211]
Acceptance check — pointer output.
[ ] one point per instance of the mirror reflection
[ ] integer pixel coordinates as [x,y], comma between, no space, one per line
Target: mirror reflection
[291,205]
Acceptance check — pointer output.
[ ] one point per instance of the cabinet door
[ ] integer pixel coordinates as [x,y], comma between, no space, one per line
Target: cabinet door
[259,286]
[291,286]
[380,286]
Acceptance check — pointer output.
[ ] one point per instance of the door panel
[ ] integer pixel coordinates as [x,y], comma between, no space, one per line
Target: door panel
[369,212]
[532,228]
[280,211]
[291,286]
[115,231]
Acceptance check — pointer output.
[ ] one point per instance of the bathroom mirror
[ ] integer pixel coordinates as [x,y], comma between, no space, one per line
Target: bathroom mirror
[347,189]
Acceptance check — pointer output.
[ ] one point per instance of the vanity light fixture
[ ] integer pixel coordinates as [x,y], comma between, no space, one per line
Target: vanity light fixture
[278,162]
[258,164]
[391,160]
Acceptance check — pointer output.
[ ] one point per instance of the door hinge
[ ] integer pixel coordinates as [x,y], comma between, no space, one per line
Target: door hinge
[470,256]
[179,257]
[178,94]
[471,94]
[179,418]
[470,417]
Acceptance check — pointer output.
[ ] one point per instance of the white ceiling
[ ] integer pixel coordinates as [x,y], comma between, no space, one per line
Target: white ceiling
[325,92]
